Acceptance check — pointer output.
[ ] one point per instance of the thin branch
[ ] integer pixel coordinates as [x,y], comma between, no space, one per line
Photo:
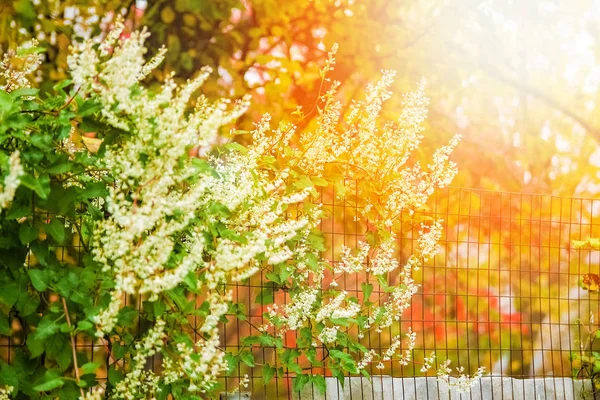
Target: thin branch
[75,366]
[69,101]
[495,73]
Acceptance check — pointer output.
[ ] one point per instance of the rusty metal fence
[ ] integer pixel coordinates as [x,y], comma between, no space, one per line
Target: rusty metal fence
[503,292]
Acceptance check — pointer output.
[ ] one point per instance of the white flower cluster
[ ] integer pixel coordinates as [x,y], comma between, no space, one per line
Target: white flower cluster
[353,263]
[218,307]
[151,205]
[140,380]
[367,359]
[385,260]
[299,310]
[462,382]
[163,203]
[428,362]
[5,392]
[329,334]
[16,67]
[407,356]
[11,181]
[334,310]
[202,365]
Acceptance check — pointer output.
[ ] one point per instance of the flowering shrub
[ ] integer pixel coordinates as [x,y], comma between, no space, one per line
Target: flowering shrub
[585,363]
[115,195]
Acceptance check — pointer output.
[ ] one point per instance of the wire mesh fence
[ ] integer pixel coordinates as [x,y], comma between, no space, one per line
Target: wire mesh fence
[503,292]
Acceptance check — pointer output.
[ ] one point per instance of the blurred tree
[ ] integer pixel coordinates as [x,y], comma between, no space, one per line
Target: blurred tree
[518,79]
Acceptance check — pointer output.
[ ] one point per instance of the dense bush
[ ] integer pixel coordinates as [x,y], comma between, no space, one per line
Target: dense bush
[115,191]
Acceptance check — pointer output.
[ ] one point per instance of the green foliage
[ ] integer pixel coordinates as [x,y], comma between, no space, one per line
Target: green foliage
[586,363]
[43,233]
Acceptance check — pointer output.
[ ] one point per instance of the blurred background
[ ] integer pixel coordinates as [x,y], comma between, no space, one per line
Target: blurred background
[519,79]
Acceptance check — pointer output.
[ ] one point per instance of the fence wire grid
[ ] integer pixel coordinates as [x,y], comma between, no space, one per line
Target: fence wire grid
[503,291]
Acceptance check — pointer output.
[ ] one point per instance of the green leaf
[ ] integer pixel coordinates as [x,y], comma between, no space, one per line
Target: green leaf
[24,51]
[59,167]
[219,209]
[17,211]
[4,325]
[84,325]
[39,279]
[36,347]
[88,107]
[164,393]
[63,350]
[236,146]
[9,293]
[265,296]
[89,368]
[319,382]
[27,303]
[6,101]
[41,252]
[247,358]
[289,360]
[27,233]
[40,185]
[23,92]
[127,316]
[93,190]
[316,240]
[342,321]
[337,372]
[87,380]
[367,289]
[119,350]
[273,277]
[65,328]
[114,376]
[8,376]
[47,326]
[311,355]
[49,385]
[303,183]
[56,229]
[319,181]
[299,382]
[62,84]
[305,338]
[268,373]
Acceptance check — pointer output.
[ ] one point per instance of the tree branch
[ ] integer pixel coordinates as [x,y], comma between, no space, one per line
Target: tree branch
[75,366]
[495,73]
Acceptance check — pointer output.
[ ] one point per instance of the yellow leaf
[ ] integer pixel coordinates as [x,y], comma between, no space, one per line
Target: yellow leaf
[590,282]
[92,144]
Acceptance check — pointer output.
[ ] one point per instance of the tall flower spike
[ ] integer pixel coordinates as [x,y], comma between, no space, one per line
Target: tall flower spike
[11,181]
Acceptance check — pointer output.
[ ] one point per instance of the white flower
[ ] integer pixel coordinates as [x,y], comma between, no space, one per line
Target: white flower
[11,181]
